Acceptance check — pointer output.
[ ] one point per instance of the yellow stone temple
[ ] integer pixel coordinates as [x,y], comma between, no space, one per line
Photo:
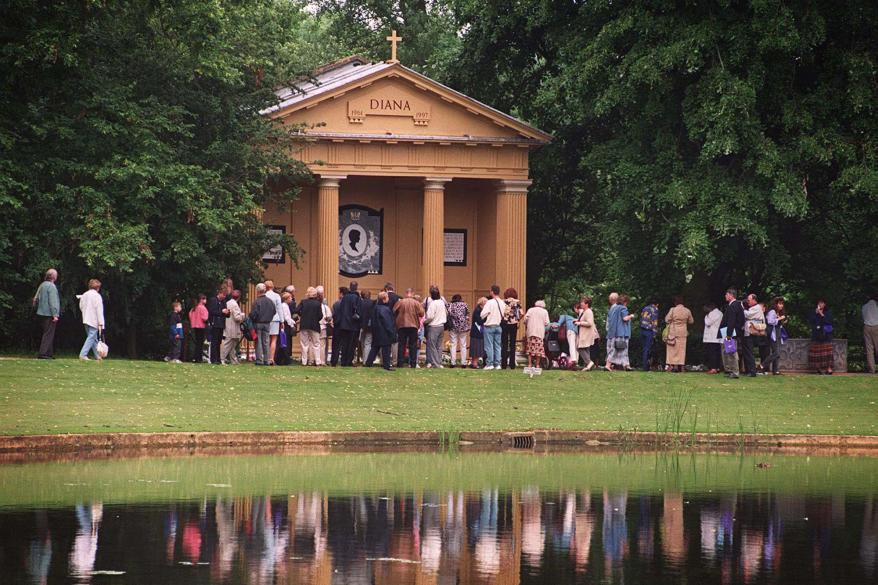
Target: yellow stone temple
[416,184]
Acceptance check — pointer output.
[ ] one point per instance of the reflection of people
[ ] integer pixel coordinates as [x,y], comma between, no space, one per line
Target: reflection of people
[85,545]
[354,239]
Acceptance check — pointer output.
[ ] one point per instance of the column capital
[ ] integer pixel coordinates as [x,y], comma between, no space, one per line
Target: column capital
[513,186]
[330,180]
[436,183]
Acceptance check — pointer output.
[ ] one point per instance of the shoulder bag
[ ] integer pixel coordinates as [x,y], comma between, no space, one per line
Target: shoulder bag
[666,333]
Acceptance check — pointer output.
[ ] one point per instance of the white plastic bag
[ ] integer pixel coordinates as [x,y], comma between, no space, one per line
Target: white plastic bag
[103,349]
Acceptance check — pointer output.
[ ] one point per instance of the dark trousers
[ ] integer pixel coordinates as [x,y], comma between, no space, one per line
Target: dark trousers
[746,350]
[408,337]
[47,343]
[713,355]
[764,352]
[283,356]
[198,354]
[347,344]
[772,362]
[175,349]
[508,339]
[216,340]
[336,347]
[385,356]
[595,351]
[647,336]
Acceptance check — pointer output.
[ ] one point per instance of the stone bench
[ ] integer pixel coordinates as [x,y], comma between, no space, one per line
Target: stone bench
[794,355]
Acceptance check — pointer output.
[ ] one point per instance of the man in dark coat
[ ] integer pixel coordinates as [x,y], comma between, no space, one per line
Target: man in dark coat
[347,323]
[383,327]
[216,320]
[336,336]
[367,305]
[733,324]
[392,299]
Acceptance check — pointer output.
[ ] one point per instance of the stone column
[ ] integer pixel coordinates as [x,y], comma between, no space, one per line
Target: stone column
[326,258]
[511,253]
[433,267]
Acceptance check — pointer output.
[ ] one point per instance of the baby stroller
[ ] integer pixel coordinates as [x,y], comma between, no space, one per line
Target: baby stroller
[551,345]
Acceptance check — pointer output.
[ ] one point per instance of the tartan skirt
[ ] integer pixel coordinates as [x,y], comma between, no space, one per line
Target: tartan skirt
[820,355]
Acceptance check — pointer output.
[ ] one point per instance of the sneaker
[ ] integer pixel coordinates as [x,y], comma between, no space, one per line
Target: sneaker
[589,367]
[85,358]
[488,368]
[733,376]
[167,359]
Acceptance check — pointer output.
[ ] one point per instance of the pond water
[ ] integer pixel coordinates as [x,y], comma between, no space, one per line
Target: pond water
[441,518]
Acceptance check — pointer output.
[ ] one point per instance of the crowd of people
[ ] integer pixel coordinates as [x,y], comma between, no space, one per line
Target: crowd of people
[355,328]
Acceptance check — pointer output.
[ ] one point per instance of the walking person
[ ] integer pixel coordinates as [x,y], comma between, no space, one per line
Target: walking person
[731,331]
[618,333]
[870,331]
[711,339]
[566,322]
[775,319]
[276,321]
[587,333]
[476,337]
[262,315]
[91,305]
[678,319]
[383,331]
[492,316]
[408,313]
[509,329]
[820,352]
[458,312]
[434,327]
[754,327]
[217,323]
[47,303]
[535,322]
[347,323]
[198,317]
[232,333]
[649,323]
[175,333]
[310,318]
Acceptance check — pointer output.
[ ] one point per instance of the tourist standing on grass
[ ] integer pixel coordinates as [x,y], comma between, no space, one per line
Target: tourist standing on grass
[347,324]
[262,315]
[678,319]
[277,320]
[618,333]
[870,331]
[649,322]
[365,343]
[408,313]
[509,329]
[492,315]
[334,334]
[48,306]
[283,352]
[232,332]
[712,343]
[588,333]
[774,319]
[91,305]
[197,322]
[476,338]
[731,331]
[820,352]
[435,319]
[310,317]
[175,333]
[383,327]
[217,323]
[325,323]
[566,321]
[754,326]
[535,322]
[458,312]
[392,299]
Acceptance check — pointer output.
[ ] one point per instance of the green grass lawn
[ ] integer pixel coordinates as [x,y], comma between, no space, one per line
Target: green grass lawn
[69,396]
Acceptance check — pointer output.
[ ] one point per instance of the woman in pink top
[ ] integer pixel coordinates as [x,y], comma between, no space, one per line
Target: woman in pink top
[197,320]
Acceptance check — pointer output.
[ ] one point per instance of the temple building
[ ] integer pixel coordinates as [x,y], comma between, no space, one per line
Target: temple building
[416,184]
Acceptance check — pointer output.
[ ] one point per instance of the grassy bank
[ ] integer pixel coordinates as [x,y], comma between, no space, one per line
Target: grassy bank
[69,396]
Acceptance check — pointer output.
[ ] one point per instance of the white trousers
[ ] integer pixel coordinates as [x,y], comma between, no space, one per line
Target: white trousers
[459,338]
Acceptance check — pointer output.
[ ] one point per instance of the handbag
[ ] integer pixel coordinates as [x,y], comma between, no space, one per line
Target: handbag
[730,346]
[620,343]
[282,338]
[666,334]
[758,329]
[102,347]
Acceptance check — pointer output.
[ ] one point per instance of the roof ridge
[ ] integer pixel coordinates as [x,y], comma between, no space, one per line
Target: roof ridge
[340,63]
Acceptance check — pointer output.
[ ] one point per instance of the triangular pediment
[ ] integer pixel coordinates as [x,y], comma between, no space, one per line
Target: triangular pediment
[379,100]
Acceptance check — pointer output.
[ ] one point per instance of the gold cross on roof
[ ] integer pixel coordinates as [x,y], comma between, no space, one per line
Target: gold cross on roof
[393,40]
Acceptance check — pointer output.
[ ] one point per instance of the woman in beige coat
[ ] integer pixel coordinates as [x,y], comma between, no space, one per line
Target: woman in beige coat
[678,319]
[587,332]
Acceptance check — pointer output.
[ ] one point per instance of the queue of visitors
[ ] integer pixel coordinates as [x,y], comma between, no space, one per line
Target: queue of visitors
[356,328]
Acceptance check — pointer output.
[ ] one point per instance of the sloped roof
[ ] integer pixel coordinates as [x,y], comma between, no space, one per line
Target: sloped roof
[354,71]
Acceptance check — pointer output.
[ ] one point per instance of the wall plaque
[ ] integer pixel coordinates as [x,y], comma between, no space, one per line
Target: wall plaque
[455,247]
[389,103]
[275,254]
[360,240]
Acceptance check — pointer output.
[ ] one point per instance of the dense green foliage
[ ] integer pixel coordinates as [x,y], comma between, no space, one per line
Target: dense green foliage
[697,145]
[72,396]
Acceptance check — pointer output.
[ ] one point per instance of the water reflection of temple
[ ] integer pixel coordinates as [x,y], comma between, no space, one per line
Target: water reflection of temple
[449,537]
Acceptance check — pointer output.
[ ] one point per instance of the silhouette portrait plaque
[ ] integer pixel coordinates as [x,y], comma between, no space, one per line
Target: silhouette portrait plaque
[360,240]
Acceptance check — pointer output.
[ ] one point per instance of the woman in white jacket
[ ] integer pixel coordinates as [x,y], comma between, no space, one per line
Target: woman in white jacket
[91,305]
[712,342]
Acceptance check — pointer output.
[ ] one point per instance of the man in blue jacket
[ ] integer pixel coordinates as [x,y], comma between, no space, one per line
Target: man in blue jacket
[347,323]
